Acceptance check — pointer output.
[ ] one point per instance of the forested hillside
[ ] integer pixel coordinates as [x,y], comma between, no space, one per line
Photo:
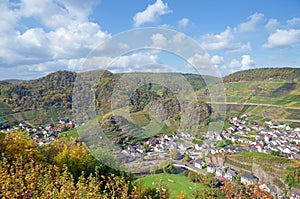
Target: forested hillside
[49,98]
[263,74]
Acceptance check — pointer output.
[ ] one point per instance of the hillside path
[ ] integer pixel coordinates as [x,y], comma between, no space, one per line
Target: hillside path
[254,104]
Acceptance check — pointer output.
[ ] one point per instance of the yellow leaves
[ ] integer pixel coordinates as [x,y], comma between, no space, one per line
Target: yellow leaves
[17,145]
[26,176]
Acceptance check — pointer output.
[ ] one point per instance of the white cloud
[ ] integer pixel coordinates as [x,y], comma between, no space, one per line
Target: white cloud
[251,24]
[68,35]
[152,13]
[184,22]
[293,22]
[56,14]
[245,63]
[223,41]
[205,61]
[176,43]
[272,24]
[133,62]
[159,40]
[206,64]
[283,38]
[76,38]
[7,25]
[139,61]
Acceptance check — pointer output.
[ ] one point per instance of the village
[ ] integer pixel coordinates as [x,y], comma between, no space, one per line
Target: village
[182,149]
[242,135]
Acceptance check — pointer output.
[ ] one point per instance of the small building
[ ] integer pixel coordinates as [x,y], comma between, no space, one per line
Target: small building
[264,188]
[248,179]
[199,164]
[295,193]
[220,172]
[230,175]
[211,168]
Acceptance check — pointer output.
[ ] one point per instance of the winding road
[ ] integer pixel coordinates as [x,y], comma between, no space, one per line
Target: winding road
[254,104]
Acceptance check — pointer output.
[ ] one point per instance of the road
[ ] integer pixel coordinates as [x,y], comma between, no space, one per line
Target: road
[254,104]
[287,120]
[188,166]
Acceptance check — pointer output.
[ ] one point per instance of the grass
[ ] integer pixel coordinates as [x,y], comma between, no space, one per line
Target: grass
[140,118]
[177,183]
[70,134]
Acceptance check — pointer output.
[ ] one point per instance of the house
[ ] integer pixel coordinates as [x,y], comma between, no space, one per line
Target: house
[211,168]
[295,193]
[248,179]
[220,172]
[295,156]
[230,175]
[199,164]
[264,188]
[269,123]
[198,147]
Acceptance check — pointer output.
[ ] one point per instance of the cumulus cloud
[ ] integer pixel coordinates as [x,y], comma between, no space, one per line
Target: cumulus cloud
[184,22]
[205,61]
[159,40]
[251,24]
[133,62]
[56,13]
[152,13]
[293,22]
[7,25]
[283,38]
[206,64]
[63,32]
[245,63]
[176,43]
[272,24]
[223,41]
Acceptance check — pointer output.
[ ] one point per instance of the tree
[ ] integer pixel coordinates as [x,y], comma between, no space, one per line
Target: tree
[173,153]
[186,158]
[17,145]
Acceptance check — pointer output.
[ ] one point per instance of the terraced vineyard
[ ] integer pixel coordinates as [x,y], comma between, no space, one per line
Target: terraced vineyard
[285,96]
[264,100]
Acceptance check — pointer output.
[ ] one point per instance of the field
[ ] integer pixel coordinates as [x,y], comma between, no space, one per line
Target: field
[268,100]
[34,117]
[177,183]
[73,133]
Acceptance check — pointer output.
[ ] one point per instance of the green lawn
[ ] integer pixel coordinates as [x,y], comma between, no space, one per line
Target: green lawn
[70,134]
[177,183]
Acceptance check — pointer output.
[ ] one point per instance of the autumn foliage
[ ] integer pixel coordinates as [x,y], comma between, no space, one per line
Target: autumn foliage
[62,169]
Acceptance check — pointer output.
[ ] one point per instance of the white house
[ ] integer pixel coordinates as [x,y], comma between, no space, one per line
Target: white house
[220,172]
[248,179]
[198,147]
[264,188]
[199,163]
[230,175]
[211,168]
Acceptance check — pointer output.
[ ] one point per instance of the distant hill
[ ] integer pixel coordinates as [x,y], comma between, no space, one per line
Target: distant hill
[263,74]
[54,89]
[49,98]
[265,94]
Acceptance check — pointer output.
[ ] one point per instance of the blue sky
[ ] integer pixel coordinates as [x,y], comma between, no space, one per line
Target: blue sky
[39,37]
